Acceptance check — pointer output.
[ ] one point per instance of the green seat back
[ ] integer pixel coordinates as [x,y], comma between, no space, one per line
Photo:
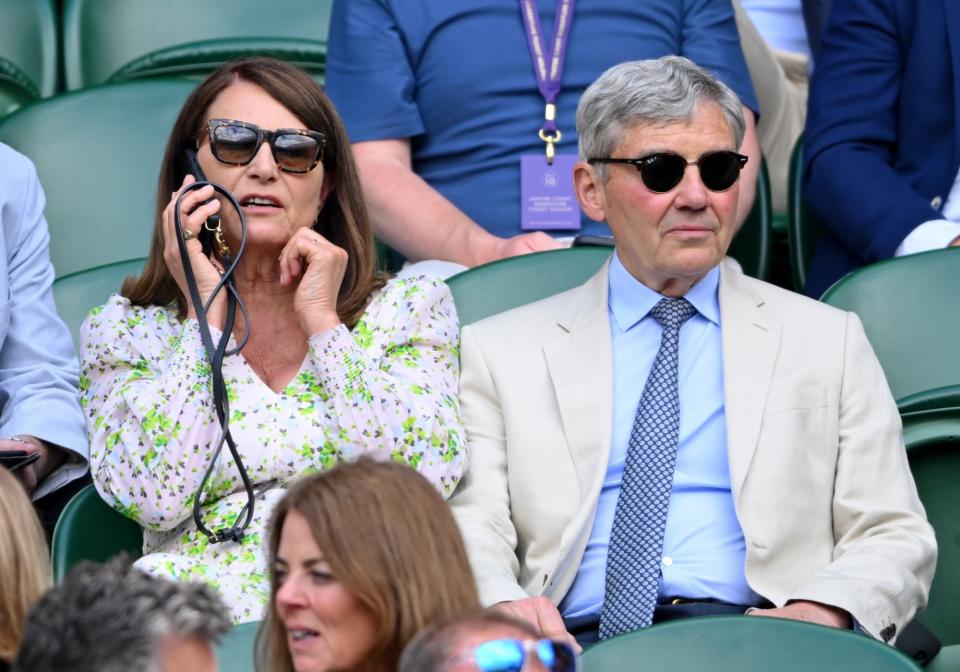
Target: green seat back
[235,651]
[114,40]
[88,529]
[931,428]
[803,227]
[29,50]
[753,244]
[948,660]
[98,155]
[910,310]
[744,644]
[498,286]
[76,293]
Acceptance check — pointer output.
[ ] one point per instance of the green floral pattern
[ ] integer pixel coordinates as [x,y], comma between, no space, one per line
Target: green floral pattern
[386,389]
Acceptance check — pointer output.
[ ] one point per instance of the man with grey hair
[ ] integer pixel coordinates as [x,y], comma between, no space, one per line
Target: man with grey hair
[115,618]
[673,438]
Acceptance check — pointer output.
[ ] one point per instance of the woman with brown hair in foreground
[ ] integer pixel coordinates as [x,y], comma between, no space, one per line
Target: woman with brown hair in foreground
[24,564]
[362,558]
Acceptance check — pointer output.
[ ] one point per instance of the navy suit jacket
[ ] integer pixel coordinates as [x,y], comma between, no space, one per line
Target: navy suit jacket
[882,141]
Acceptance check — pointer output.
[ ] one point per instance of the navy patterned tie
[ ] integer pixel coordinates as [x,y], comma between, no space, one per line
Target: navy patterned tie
[636,542]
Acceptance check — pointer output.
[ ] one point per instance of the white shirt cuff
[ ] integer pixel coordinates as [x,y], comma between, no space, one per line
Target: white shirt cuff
[933,235]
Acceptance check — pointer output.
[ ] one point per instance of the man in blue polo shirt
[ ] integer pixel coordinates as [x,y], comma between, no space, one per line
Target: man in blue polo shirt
[441,101]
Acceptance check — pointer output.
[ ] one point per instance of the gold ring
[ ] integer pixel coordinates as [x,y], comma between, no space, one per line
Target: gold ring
[188,235]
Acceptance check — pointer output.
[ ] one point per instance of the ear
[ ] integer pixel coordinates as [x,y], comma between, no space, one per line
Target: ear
[589,190]
[326,189]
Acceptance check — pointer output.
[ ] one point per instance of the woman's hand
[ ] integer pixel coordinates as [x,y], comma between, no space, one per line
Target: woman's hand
[320,265]
[205,270]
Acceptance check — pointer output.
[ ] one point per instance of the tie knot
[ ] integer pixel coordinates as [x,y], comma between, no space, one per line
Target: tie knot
[672,313]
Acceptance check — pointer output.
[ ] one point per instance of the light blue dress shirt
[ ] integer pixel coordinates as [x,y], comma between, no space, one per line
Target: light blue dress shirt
[39,374]
[703,546]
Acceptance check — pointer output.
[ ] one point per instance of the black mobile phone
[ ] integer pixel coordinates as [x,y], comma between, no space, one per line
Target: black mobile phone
[14,460]
[192,166]
[587,240]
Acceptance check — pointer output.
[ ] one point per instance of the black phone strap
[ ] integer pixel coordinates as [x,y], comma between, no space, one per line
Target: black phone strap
[215,354]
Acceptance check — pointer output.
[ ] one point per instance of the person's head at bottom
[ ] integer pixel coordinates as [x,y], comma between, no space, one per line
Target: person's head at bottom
[115,618]
[488,641]
[363,557]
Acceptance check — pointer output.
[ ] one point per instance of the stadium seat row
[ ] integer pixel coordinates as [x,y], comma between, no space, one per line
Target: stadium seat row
[47,46]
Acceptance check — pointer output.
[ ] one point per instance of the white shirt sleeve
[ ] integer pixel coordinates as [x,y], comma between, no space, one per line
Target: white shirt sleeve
[933,235]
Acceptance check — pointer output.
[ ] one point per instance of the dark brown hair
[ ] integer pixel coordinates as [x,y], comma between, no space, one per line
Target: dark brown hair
[391,540]
[343,220]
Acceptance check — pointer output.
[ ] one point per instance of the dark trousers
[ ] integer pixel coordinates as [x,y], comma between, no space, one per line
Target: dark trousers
[49,508]
[586,629]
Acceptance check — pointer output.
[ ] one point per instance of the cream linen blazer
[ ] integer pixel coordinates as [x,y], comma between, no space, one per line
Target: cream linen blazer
[819,474]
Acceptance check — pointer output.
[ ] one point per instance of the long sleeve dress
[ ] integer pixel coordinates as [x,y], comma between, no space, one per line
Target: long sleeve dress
[388,388]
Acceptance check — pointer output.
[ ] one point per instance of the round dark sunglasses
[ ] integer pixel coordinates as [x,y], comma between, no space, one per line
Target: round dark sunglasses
[663,171]
[510,655]
[295,150]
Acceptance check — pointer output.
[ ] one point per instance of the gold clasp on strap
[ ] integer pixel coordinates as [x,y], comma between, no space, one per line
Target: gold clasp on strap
[551,140]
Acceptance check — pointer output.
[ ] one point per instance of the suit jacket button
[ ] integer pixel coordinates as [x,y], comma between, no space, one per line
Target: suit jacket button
[936,202]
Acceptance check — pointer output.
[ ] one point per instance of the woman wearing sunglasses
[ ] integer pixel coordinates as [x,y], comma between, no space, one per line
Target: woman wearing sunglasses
[362,558]
[339,362]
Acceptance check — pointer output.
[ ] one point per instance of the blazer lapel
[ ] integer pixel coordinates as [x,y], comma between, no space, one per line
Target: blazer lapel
[579,361]
[951,9]
[751,341]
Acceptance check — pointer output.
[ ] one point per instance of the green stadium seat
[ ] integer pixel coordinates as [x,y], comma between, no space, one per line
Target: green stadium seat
[909,308]
[115,40]
[753,244]
[803,227]
[29,51]
[98,155]
[75,294]
[933,448]
[88,529]
[235,652]
[500,285]
[745,644]
[948,660]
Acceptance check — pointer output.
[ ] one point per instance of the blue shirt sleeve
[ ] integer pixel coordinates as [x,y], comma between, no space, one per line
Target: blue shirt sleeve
[369,76]
[710,39]
[39,375]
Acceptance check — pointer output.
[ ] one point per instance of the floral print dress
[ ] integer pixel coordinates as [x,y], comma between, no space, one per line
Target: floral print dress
[387,389]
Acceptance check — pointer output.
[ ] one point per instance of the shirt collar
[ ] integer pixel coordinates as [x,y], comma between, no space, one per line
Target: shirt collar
[630,300]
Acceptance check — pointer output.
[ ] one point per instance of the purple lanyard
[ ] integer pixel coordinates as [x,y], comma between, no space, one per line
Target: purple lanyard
[548,66]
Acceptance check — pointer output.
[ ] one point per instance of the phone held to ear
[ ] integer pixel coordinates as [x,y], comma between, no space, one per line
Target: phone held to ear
[15,460]
[192,167]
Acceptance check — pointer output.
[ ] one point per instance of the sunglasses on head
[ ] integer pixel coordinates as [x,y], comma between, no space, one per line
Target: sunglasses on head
[510,655]
[295,150]
[663,171]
